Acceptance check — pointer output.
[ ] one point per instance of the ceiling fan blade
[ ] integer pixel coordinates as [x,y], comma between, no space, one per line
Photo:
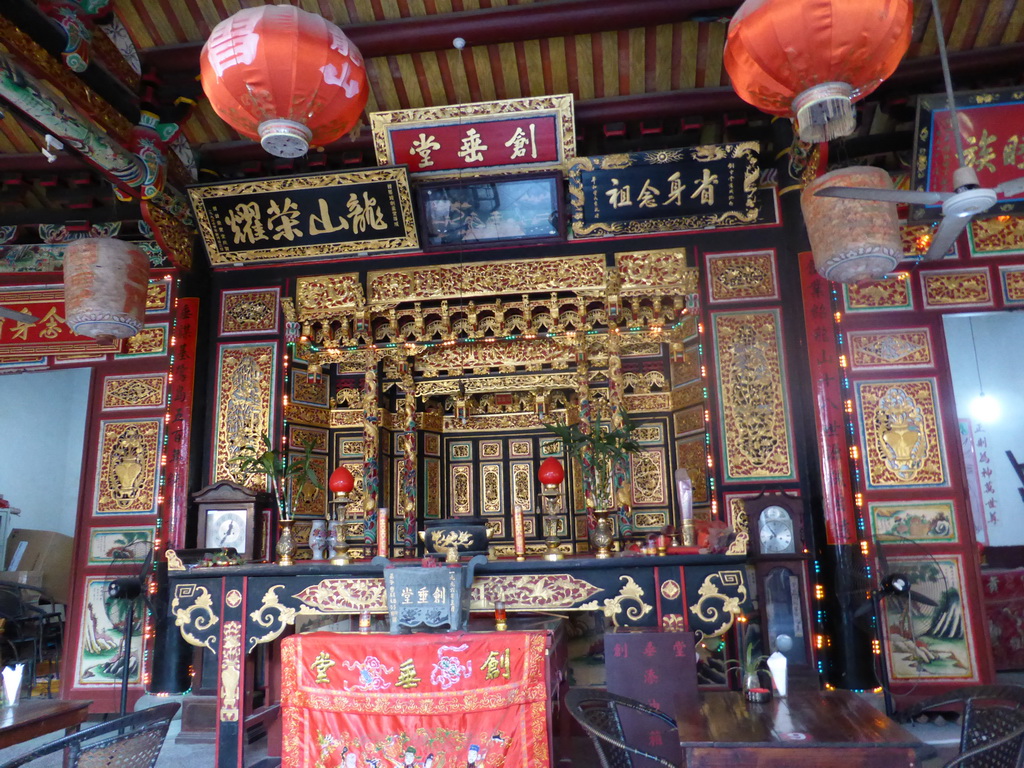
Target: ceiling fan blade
[886,195]
[947,233]
[1011,188]
[865,608]
[21,317]
[917,597]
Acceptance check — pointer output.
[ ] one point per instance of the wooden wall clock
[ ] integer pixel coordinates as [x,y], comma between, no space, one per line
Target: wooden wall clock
[781,561]
[231,515]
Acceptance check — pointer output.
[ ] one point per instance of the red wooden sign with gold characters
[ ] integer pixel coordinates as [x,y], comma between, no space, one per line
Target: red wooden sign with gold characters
[49,335]
[511,135]
[415,701]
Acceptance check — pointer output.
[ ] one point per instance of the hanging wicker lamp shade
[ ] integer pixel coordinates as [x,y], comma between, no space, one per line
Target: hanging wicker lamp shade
[285,77]
[852,240]
[105,283]
[812,59]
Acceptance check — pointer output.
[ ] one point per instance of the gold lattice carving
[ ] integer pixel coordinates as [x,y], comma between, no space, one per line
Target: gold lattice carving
[348,595]
[647,433]
[740,525]
[147,391]
[648,476]
[522,485]
[902,443]
[651,521]
[299,436]
[151,340]
[664,270]
[687,395]
[493,422]
[325,295]
[740,276]
[433,489]
[1013,280]
[959,287]
[651,402]
[156,296]
[462,489]
[309,389]
[691,455]
[127,475]
[508,383]
[686,369]
[249,311]
[491,481]
[997,234]
[689,420]
[245,381]
[880,349]
[536,591]
[755,422]
[892,292]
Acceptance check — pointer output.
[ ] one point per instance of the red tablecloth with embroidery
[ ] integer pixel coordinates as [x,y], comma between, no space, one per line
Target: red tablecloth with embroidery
[450,700]
[1003,589]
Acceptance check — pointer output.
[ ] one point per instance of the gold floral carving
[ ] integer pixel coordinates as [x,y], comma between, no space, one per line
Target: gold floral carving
[664,270]
[486,279]
[888,349]
[1013,285]
[691,455]
[741,526]
[630,592]
[650,520]
[714,607]
[299,436]
[687,395]
[309,389]
[245,381]
[508,383]
[151,340]
[347,595]
[315,416]
[501,356]
[173,561]
[272,616]
[741,276]
[673,622]
[230,671]
[249,311]
[490,449]
[493,422]
[491,481]
[462,490]
[688,420]
[956,288]
[531,591]
[997,234]
[687,368]
[648,476]
[156,296]
[670,589]
[522,485]
[461,451]
[648,433]
[755,423]
[433,489]
[892,292]
[335,418]
[148,391]
[326,295]
[902,442]
[652,402]
[197,617]
[127,475]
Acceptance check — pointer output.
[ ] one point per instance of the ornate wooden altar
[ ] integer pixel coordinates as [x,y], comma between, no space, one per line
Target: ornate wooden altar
[230,611]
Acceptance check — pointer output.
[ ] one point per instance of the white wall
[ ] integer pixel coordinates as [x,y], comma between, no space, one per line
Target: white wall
[1000,343]
[42,434]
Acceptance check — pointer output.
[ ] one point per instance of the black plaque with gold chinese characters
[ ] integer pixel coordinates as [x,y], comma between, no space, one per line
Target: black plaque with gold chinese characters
[303,217]
[666,190]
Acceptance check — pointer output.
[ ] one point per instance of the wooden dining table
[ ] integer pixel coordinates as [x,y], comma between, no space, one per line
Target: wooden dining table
[35,717]
[721,729]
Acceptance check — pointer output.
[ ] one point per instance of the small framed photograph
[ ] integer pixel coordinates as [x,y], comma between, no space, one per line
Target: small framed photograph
[519,208]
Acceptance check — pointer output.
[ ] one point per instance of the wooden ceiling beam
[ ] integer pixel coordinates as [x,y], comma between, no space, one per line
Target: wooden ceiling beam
[36,216]
[505,24]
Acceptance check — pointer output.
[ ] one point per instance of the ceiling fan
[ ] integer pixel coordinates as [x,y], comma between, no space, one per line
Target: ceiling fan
[968,198]
[21,317]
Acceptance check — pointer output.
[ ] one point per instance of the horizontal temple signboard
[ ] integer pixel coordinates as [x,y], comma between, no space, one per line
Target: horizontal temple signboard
[665,190]
[993,145]
[301,217]
[502,136]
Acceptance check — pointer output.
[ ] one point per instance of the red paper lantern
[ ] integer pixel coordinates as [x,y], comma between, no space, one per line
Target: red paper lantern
[811,59]
[341,480]
[551,472]
[284,76]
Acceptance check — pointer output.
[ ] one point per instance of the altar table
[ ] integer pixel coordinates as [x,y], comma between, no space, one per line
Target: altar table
[230,610]
[809,728]
[35,717]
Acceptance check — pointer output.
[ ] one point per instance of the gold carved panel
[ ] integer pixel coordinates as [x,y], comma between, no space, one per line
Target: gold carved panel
[1013,284]
[521,448]
[298,436]
[143,391]
[252,311]
[691,455]
[490,449]
[687,395]
[486,279]
[433,488]
[431,444]
[650,520]
[246,375]
[648,477]
[326,295]
[151,341]
[126,478]
[686,368]
[902,348]
[664,270]
[891,292]
[688,420]
[956,288]
[753,405]
[997,235]
[462,490]
[522,486]
[741,276]
[490,491]
[309,390]
[157,296]
[901,434]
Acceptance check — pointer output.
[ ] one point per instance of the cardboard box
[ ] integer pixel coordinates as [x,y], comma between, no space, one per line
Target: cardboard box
[48,552]
[28,578]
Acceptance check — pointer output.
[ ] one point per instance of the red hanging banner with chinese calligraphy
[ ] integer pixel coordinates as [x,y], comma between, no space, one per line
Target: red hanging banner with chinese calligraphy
[415,701]
[50,334]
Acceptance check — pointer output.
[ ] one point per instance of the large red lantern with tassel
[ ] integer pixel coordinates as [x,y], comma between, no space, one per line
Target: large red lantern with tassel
[284,76]
[812,59]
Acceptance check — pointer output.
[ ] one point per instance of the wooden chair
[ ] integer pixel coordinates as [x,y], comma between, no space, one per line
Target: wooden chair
[132,741]
[600,714]
[992,724]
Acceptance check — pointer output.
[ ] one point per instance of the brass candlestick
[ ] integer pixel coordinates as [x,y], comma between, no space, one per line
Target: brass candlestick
[347,525]
[551,506]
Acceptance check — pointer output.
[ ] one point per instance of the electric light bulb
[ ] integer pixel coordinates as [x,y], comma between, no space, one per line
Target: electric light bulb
[985,408]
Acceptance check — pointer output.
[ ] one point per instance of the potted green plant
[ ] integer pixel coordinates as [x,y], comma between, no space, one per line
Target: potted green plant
[598,449]
[751,664]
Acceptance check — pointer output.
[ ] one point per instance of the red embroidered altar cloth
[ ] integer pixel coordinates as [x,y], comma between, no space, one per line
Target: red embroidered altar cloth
[455,700]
